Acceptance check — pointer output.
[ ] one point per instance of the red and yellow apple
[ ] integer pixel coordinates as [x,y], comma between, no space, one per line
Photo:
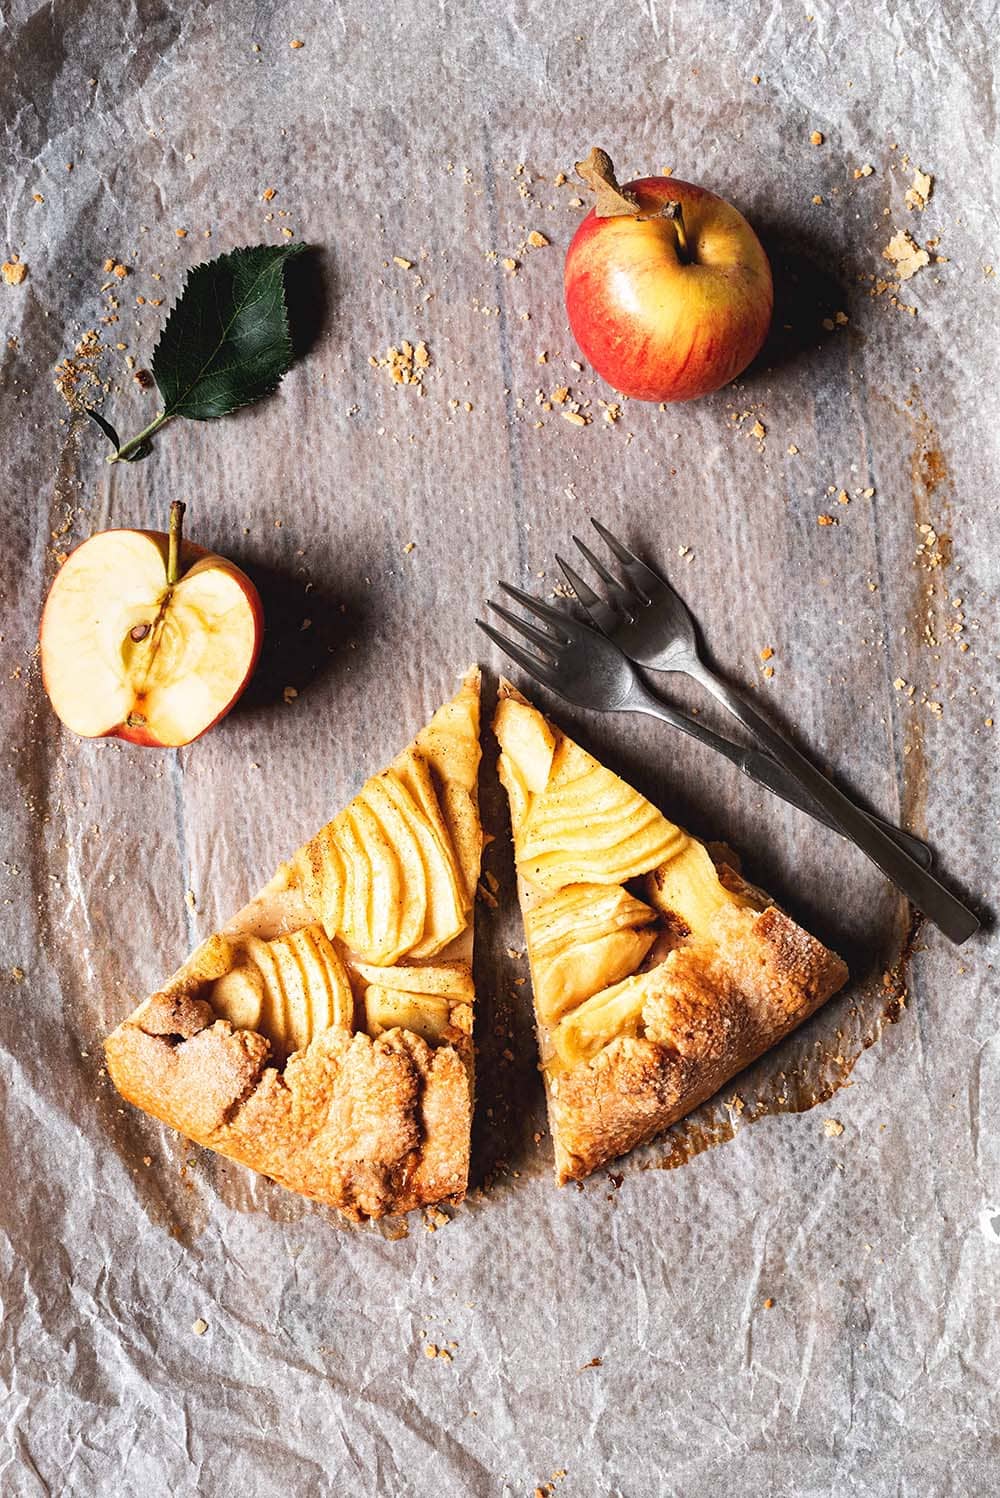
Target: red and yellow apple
[147,637]
[668,288]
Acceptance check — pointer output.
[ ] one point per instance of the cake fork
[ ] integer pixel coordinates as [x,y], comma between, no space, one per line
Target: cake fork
[587,669]
[649,621]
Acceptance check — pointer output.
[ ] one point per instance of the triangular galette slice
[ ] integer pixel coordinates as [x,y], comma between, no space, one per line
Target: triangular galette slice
[324,1035]
[658,972]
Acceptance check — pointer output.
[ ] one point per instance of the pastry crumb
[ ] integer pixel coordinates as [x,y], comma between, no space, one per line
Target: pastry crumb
[905,254]
[816,139]
[199,1327]
[14,270]
[832,1128]
[769,1303]
[290,693]
[919,192]
[537,240]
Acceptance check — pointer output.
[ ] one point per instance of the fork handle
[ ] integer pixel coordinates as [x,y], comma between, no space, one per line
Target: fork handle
[766,772]
[947,912]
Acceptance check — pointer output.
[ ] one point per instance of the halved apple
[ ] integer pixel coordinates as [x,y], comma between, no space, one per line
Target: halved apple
[130,651]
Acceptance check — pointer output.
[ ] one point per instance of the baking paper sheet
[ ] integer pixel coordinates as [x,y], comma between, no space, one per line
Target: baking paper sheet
[795,1311]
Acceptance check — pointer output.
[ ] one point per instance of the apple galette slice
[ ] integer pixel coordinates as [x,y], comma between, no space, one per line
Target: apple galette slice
[657,972]
[324,1035]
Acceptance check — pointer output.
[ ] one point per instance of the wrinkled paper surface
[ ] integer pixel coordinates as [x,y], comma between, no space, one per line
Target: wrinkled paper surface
[796,1311]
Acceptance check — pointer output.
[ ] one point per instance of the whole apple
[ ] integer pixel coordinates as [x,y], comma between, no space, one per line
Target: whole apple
[668,289]
[148,638]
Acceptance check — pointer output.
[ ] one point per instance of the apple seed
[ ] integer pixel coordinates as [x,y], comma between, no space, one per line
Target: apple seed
[139,632]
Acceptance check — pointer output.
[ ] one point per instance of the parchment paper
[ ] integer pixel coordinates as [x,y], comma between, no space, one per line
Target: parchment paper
[796,1311]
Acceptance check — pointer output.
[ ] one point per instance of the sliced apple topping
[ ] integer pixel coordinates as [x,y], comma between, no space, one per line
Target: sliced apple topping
[686,888]
[587,826]
[408,785]
[450,746]
[385,896]
[613,1013]
[393,1008]
[288,989]
[528,744]
[422,999]
[448,980]
[582,939]
[394,875]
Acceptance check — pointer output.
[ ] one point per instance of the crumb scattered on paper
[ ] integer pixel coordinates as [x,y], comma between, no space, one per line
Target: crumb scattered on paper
[905,255]
[832,1128]
[918,194]
[405,364]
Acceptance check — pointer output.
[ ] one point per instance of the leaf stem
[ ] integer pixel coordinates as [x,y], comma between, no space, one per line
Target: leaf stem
[174,539]
[128,448]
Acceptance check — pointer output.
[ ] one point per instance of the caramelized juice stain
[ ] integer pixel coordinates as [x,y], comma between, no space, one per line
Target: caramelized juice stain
[819,1070]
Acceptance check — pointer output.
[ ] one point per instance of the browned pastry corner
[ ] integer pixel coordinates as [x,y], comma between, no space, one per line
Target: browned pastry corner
[368,1126]
[649,997]
[340,1068]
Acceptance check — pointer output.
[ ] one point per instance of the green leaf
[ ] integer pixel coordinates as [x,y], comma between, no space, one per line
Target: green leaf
[226,342]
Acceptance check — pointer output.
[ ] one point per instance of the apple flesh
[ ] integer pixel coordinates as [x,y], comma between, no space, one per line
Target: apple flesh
[125,653]
[664,316]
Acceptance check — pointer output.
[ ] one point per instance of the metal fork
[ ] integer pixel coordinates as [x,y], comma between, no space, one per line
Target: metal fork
[651,624]
[587,669]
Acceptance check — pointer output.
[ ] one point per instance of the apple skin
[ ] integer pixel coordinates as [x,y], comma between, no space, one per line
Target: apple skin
[190,555]
[658,328]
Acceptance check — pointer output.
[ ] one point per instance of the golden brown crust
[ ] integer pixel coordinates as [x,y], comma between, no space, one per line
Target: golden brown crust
[717,1007]
[369,1126]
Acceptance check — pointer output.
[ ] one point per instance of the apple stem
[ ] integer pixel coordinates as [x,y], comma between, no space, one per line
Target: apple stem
[134,443]
[675,213]
[174,541]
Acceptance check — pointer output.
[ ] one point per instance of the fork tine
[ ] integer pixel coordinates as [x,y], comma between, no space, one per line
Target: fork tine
[524,658]
[620,595]
[642,579]
[536,636]
[620,550]
[584,592]
[600,612]
[556,617]
[606,577]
